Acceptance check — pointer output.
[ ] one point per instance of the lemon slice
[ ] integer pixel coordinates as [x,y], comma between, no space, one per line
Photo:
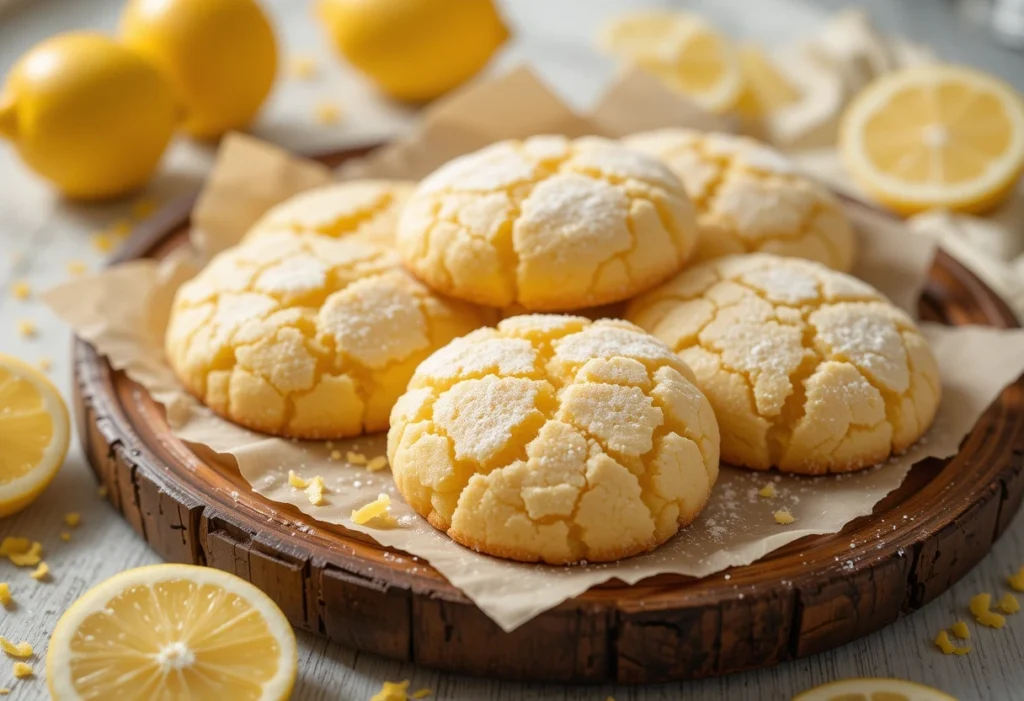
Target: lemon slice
[683,51]
[935,136]
[33,433]
[871,689]
[172,632]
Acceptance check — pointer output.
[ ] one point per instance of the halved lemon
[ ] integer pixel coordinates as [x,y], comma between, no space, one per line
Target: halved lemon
[766,90]
[873,689]
[169,632]
[935,136]
[34,433]
[683,51]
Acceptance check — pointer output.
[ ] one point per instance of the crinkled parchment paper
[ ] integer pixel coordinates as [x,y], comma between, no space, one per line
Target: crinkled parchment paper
[122,312]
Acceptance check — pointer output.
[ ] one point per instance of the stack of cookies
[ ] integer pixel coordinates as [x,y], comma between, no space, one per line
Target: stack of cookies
[730,329]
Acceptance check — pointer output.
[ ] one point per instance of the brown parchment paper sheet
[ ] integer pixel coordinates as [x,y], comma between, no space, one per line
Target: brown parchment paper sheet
[123,311]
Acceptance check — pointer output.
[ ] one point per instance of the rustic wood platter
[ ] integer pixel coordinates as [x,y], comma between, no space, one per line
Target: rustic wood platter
[795,602]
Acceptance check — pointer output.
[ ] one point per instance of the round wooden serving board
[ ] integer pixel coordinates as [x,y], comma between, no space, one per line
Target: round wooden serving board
[797,601]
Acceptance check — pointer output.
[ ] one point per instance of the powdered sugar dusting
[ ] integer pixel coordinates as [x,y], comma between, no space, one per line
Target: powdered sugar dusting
[471,356]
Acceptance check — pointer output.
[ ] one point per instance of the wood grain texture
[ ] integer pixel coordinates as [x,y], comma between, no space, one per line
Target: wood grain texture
[809,597]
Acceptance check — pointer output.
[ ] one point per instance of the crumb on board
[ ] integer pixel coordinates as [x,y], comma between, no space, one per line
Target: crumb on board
[101,491]
[44,364]
[40,573]
[379,509]
[335,455]
[72,519]
[76,267]
[960,630]
[27,329]
[5,594]
[4,691]
[327,113]
[21,290]
[783,517]
[946,645]
[980,606]
[22,552]
[22,670]
[65,536]
[315,491]
[355,458]
[767,491]
[1017,580]
[377,463]
[1009,604]
[303,67]
[22,649]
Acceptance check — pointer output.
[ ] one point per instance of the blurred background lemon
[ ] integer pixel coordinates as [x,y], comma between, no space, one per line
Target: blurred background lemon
[88,114]
[219,55]
[415,50]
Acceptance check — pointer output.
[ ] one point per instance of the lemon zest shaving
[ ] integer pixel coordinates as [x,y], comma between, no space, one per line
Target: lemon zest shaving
[27,329]
[5,594]
[1017,580]
[21,290]
[29,557]
[355,458]
[767,491]
[960,630]
[41,572]
[1009,604]
[379,509]
[15,650]
[72,519]
[22,670]
[980,607]
[947,646]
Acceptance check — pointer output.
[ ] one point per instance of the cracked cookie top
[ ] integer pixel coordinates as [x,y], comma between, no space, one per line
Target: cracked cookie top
[364,210]
[548,223]
[749,198]
[808,370]
[306,336]
[555,439]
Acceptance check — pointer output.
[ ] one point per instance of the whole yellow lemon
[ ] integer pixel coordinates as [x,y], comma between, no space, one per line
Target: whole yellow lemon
[88,114]
[415,50]
[220,56]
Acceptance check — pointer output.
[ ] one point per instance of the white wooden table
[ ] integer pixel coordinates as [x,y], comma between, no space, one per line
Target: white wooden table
[39,235]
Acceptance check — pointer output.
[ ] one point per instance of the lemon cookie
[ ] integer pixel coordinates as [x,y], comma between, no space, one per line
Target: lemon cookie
[306,336]
[547,223]
[360,209]
[555,439]
[749,198]
[808,369]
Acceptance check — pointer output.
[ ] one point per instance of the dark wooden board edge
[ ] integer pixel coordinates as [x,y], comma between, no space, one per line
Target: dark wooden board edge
[637,635]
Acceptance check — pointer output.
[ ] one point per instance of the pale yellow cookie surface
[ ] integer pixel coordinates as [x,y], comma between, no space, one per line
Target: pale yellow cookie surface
[548,223]
[808,370]
[750,199]
[555,439]
[306,336]
[365,210]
